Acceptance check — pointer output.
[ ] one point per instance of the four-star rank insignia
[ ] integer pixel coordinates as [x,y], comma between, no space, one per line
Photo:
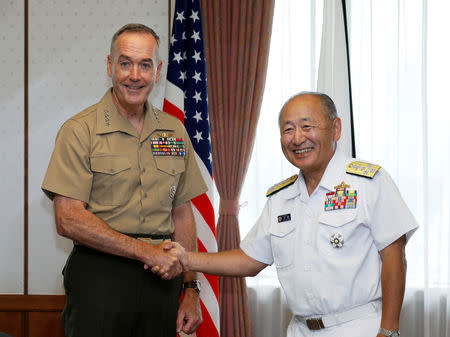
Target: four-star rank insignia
[341,198]
[167,146]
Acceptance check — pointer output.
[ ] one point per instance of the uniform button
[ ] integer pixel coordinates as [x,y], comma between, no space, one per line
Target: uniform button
[307,267]
[111,170]
[308,242]
[143,169]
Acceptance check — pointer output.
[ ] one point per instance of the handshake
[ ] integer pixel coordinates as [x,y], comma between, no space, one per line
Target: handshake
[169,260]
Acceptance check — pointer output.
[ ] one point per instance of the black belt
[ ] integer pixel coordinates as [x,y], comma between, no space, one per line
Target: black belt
[149,236]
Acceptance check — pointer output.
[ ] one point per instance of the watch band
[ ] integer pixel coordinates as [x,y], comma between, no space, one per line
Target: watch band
[389,333]
[194,284]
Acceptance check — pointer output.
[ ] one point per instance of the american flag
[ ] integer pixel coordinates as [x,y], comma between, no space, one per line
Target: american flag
[186,98]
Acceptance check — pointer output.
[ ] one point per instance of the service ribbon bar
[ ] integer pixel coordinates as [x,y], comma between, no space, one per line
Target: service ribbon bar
[168,146]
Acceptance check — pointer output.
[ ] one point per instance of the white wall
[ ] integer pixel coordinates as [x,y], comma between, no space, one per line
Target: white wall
[68,45]
[11,146]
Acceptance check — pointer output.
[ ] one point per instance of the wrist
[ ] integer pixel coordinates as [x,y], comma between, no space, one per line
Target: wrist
[191,287]
[389,333]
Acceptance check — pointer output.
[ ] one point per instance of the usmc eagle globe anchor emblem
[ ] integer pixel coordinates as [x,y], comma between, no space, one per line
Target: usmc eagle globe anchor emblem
[337,240]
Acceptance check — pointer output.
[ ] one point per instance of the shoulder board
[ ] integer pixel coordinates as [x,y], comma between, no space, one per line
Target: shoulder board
[362,169]
[278,187]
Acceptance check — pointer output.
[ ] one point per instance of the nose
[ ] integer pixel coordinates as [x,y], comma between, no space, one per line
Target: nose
[299,136]
[134,73]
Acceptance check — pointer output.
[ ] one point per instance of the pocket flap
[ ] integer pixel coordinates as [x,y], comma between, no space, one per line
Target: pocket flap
[110,164]
[171,164]
[337,218]
[282,229]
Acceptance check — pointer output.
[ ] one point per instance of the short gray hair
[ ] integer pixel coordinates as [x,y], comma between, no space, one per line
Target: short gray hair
[133,28]
[328,106]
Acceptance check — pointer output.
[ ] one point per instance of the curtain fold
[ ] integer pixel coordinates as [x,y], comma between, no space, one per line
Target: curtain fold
[237,40]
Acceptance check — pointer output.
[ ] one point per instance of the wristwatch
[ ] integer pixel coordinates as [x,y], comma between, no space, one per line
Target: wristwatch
[389,333]
[194,284]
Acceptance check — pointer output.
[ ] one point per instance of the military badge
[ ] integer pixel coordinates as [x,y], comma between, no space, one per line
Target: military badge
[362,169]
[285,183]
[172,191]
[167,146]
[337,240]
[341,198]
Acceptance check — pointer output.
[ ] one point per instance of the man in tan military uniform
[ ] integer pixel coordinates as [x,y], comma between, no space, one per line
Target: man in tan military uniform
[121,177]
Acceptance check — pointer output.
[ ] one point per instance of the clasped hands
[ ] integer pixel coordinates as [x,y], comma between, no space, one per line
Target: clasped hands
[170,260]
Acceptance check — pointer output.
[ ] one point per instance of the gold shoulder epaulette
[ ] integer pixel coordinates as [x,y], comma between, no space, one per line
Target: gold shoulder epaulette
[278,187]
[362,169]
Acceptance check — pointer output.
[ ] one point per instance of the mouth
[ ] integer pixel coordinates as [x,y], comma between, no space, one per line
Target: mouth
[303,151]
[133,87]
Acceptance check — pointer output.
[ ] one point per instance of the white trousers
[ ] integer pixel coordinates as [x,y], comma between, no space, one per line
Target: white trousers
[362,327]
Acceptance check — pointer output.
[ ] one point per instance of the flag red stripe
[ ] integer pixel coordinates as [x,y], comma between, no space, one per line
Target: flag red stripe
[206,209]
[207,328]
[173,110]
[212,279]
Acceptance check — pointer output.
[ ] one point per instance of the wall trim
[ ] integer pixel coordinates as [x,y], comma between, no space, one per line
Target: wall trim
[32,302]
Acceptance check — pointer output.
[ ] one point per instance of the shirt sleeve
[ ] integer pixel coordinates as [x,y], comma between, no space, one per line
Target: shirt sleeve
[390,216]
[256,244]
[69,172]
[191,182]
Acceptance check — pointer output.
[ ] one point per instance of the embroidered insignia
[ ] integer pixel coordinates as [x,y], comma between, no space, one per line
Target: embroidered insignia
[341,198]
[284,217]
[155,113]
[164,134]
[172,191]
[337,240]
[167,146]
[362,169]
[278,187]
[107,118]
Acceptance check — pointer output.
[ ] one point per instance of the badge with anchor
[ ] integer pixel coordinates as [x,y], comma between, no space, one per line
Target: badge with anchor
[337,240]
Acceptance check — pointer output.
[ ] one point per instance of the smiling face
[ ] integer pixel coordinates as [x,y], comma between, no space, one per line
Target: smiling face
[308,136]
[134,68]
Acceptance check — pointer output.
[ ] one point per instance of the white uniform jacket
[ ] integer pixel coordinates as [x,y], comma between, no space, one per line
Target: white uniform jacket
[294,232]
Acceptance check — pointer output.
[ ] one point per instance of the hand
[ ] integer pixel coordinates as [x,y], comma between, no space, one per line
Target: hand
[189,313]
[165,261]
[177,250]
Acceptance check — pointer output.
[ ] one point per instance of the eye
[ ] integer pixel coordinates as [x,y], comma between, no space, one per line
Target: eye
[146,66]
[288,129]
[125,64]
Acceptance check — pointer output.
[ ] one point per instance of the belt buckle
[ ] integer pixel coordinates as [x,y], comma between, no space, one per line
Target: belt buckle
[146,240]
[315,323]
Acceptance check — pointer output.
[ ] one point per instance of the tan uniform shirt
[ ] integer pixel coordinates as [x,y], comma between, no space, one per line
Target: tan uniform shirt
[99,158]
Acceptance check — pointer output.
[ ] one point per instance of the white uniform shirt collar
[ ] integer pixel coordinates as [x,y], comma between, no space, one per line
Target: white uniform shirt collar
[335,172]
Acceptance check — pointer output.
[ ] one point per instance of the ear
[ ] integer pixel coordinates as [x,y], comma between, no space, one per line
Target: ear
[109,65]
[337,127]
[158,71]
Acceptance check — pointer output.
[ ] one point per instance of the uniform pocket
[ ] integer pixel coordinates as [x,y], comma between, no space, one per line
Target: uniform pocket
[282,239]
[170,169]
[111,183]
[337,226]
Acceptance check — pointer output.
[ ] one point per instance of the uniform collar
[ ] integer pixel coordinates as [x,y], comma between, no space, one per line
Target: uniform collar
[335,172]
[110,120]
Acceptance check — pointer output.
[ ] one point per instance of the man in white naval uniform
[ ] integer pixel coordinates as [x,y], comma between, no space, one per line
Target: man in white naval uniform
[336,233]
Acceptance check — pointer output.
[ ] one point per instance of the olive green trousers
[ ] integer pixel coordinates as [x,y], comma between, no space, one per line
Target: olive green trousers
[111,296]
